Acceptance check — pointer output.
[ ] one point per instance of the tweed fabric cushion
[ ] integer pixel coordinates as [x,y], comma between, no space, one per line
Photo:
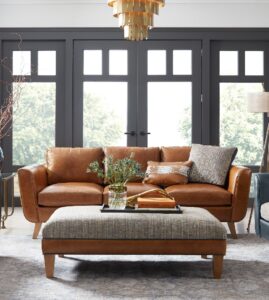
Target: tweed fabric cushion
[167,173]
[87,222]
[210,163]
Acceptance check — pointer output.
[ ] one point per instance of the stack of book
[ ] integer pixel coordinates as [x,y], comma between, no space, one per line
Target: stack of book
[155,203]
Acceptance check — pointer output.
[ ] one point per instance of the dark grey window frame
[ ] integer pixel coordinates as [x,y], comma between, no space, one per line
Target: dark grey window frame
[241,47]
[69,35]
[8,47]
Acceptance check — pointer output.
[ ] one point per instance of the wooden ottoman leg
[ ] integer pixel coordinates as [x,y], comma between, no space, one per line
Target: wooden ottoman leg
[49,264]
[217,266]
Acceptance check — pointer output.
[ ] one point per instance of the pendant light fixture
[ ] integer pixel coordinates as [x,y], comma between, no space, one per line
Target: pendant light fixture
[135,16]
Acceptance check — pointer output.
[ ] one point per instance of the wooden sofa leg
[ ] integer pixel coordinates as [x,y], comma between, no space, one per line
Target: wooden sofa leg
[36,230]
[232,229]
[49,264]
[217,266]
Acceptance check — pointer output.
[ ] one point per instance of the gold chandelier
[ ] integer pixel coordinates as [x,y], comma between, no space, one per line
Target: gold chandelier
[135,16]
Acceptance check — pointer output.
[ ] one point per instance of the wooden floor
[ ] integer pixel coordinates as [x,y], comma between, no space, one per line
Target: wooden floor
[18,224]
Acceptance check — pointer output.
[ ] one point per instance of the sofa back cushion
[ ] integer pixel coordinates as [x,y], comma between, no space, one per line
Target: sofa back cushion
[141,154]
[70,164]
[173,154]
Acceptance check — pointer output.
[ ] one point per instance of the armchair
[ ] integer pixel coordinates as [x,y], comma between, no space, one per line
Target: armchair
[261,182]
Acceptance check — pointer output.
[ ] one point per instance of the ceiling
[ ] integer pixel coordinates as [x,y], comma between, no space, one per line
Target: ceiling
[76,2]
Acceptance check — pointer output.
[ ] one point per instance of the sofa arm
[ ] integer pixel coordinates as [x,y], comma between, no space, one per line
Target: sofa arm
[239,185]
[32,179]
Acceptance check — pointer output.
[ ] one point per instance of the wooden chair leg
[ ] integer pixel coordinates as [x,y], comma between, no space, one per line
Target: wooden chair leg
[36,230]
[49,264]
[232,229]
[217,266]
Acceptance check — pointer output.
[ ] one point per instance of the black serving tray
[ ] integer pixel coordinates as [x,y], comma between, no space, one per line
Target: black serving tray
[177,210]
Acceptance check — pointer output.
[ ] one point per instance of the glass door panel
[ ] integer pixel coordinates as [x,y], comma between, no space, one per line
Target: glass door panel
[169,122]
[105,114]
[33,122]
[239,128]
[105,93]
[169,99]
[237,69]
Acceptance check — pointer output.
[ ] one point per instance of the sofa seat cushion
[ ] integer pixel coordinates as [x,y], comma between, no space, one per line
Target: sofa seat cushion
[134,188]
[71,193]
[197,194]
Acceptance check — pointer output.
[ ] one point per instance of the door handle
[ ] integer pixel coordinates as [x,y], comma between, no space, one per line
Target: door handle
[131,133]
[143,133]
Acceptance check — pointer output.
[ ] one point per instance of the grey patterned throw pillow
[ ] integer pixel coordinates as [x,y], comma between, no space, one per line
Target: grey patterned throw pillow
[210,163]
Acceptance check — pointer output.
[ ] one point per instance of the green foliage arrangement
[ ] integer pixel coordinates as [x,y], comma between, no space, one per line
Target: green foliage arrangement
[117,172]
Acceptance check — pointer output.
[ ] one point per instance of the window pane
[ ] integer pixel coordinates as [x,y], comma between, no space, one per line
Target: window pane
[118,62]
[169,113]
[92,62]
[239,128]
[105,114]
[16,186]
[182,62]
[34,122]
[47,63]
[156,62]
[228,63]
[254,63]
[21,63]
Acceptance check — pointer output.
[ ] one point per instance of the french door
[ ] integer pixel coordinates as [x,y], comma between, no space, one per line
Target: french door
[105,89]
[169,99]
[137,94]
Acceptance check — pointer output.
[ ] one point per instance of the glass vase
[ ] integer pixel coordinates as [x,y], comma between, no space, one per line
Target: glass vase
[117,196]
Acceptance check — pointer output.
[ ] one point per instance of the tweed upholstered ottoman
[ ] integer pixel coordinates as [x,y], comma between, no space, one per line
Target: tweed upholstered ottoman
[85,230]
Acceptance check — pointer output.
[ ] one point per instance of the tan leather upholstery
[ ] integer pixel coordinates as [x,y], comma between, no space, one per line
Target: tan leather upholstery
[177,173]
[175,153]
[239,185]
[141,154]
[70,164]
[133,188]
[223,213]
[45,212]
[32,180]
[196,194]
[71,193]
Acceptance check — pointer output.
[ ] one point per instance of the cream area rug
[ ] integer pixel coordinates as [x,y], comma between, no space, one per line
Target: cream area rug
[245,274]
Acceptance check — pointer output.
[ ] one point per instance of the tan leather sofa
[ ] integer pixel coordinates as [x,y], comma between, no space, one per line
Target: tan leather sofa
[63,181]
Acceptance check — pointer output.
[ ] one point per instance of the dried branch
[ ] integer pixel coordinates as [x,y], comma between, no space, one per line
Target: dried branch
[13,93]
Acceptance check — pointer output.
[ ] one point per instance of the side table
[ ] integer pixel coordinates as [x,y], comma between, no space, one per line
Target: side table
[5,179]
